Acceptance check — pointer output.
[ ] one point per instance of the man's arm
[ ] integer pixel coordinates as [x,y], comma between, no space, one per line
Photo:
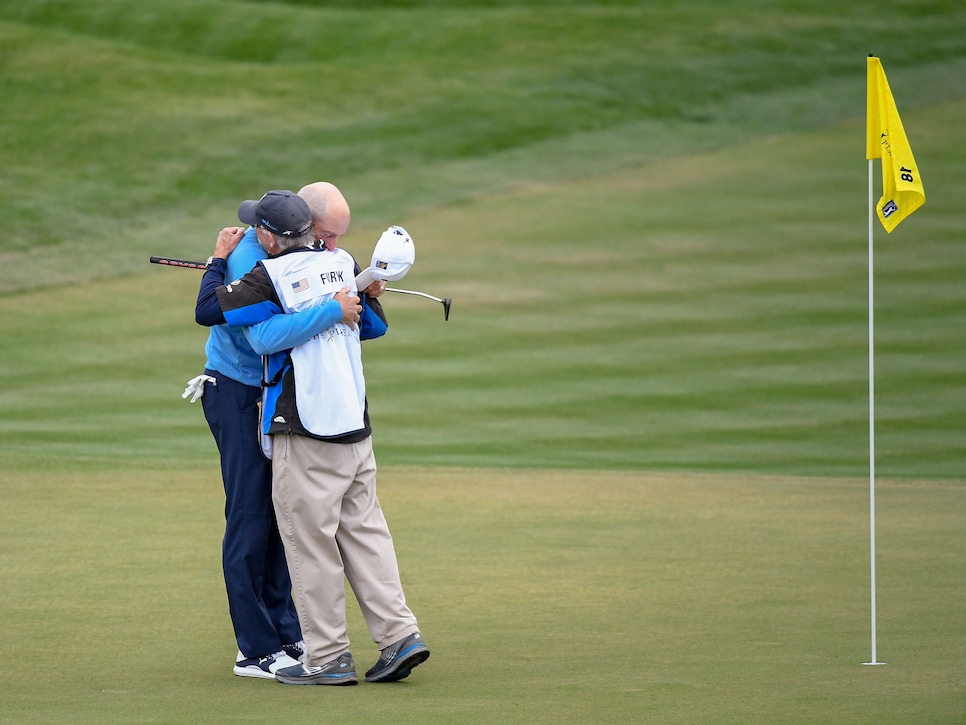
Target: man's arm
[283,332]
[207,309]
[246,301]
[372,321]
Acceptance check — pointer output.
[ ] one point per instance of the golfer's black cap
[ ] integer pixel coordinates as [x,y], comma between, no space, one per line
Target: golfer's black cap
[282,212]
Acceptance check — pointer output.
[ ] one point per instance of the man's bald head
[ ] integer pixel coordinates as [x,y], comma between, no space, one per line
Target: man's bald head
[330,211]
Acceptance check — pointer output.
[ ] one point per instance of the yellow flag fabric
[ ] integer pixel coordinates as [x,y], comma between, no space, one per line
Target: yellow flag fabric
[902,191]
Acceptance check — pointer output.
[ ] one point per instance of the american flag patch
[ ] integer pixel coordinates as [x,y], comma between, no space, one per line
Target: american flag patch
[300,286]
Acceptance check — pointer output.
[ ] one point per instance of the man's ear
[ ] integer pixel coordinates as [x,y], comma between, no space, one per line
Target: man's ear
[267,240]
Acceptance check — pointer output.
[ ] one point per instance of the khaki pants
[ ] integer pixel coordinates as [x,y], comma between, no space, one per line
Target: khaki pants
[332,526]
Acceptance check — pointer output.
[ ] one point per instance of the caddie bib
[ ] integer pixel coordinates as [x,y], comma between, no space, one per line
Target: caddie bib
[330,388]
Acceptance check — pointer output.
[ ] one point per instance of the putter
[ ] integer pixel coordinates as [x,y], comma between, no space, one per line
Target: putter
[189,264]
[446,301]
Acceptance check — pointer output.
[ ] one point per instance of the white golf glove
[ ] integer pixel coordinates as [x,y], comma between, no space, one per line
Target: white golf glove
[196,387]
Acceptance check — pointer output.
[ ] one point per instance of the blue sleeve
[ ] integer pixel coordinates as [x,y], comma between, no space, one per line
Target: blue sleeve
[371,323]
[207,309]
[249,300]
[251,314]
[283,332]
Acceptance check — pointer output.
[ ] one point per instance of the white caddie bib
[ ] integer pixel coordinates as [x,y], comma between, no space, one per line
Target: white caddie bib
[330,388]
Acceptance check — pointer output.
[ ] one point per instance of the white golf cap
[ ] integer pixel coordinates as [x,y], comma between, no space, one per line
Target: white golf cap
[391,259]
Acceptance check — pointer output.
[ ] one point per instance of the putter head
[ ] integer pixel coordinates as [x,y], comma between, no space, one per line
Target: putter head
[447,301]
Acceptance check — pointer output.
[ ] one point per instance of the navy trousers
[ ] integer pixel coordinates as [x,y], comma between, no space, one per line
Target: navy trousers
[256,576]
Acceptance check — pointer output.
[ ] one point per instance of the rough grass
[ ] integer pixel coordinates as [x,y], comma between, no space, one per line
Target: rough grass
[132,127]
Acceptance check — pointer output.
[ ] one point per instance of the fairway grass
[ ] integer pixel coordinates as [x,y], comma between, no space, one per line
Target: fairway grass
[545,596]
[628,478]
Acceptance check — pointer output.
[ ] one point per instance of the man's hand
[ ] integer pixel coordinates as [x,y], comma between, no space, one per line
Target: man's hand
[228,239]
[376,288]
[351,309]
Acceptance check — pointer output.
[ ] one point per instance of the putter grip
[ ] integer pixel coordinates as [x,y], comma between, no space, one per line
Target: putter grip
[172,262]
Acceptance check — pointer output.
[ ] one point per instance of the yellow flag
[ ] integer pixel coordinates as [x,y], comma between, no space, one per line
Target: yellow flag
[902,191]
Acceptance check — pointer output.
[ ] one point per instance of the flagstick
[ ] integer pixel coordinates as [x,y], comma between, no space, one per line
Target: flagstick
[871,427]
